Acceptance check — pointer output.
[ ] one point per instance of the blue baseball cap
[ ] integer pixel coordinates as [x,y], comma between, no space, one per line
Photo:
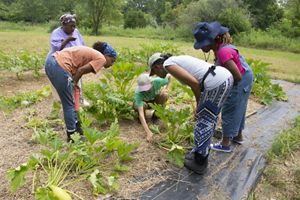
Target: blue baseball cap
[205,33]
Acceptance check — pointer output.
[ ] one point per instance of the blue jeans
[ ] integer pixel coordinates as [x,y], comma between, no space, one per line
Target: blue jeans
[234,109]
[63,83]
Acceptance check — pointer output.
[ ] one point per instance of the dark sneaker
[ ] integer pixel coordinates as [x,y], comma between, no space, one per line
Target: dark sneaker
[238,139]
[220,147]
[79,128]
[197,163]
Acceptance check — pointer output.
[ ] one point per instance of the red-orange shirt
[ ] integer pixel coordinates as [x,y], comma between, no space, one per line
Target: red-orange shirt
[73,58]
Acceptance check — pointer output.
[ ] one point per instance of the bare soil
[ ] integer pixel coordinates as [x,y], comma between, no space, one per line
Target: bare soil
[147,169]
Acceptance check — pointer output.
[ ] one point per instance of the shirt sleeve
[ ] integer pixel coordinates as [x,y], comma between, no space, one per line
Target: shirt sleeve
[224,54]
[138,99]
[56,40]
[160,82]
[98,63]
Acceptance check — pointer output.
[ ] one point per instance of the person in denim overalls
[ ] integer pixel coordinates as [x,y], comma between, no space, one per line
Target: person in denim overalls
[213,36]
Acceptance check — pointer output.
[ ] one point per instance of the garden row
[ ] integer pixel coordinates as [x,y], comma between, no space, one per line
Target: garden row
[59,165]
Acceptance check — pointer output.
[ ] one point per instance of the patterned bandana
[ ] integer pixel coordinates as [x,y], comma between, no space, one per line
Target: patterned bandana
[109,50]
[67,18]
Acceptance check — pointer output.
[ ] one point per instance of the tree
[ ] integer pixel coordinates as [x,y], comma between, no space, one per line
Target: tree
[99,10]
[135,19]
[236,20]
[210,10]
[29,10]
[264,13]
[290,25]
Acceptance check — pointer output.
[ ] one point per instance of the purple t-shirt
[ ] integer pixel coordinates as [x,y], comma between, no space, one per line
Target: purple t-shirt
[58,36]
[224,54]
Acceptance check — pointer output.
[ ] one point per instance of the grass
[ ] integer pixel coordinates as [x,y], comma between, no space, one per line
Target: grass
[281,178]
[283,65]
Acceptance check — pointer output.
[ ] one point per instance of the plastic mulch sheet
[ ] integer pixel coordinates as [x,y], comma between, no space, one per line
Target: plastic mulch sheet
[234,176]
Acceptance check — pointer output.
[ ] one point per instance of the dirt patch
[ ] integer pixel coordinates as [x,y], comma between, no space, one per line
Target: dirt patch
[148,168]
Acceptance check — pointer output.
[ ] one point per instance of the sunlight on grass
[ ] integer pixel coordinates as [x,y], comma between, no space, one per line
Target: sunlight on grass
[283,65]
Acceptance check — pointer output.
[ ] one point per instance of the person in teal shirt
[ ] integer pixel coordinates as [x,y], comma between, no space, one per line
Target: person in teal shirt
[149,90]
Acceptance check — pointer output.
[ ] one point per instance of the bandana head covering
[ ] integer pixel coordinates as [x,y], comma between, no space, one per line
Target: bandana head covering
[109,50]
[67,18]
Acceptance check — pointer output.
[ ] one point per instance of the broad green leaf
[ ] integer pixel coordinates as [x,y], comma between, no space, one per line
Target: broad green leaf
[17,176]
[176,155]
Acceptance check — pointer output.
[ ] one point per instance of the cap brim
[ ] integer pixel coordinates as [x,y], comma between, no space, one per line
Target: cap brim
[203,43]
[145,87]
[223,30]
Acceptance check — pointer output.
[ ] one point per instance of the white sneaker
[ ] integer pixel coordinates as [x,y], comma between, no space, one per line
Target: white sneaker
[85,103]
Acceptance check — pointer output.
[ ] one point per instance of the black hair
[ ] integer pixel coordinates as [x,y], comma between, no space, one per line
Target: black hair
[100,46]
[164,57]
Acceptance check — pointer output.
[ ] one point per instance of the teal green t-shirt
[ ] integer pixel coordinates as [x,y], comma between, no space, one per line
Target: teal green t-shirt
[150,95]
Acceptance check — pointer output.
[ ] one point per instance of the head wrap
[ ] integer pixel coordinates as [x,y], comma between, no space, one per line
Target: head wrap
[67,18]
[109,50]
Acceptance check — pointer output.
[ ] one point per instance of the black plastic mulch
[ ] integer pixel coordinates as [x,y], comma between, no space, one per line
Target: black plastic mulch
[233,176]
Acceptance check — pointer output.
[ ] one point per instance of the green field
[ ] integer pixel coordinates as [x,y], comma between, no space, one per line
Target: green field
[283,65]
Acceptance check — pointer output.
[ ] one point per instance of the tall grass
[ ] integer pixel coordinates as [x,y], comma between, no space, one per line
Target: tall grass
[16,36]
[164,33]
[268,40]
[286,143]
[22,26]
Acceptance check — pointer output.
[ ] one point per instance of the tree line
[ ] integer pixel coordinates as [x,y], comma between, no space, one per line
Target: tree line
[180,15]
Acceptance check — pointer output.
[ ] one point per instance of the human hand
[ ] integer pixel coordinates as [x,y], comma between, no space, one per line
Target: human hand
[71,38]
[149,137]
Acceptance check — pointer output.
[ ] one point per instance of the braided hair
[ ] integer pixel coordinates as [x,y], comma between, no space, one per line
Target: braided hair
[224,39]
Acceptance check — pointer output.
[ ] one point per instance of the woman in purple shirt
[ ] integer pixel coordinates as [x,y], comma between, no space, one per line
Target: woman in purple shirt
[67,35]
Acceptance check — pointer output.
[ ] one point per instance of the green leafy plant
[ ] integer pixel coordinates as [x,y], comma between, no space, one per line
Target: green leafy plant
[142,54]
[262,86]
[21,61]
[113,96]
[60,165]
[179,127]
[24,99]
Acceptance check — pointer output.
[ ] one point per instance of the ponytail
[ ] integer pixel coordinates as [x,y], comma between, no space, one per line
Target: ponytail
[165,56]
[162,59]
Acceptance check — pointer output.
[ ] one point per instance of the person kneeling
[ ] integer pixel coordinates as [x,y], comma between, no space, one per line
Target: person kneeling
[149,90]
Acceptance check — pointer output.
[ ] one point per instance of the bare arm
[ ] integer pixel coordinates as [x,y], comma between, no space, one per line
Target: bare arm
[186,78]
[231,66]
[82,70]
[66,41]
[144,124]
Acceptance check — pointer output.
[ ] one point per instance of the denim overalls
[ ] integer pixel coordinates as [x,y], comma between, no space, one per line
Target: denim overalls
[235,106]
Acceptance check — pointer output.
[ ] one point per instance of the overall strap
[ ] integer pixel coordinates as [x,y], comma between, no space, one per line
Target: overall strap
[210,70]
